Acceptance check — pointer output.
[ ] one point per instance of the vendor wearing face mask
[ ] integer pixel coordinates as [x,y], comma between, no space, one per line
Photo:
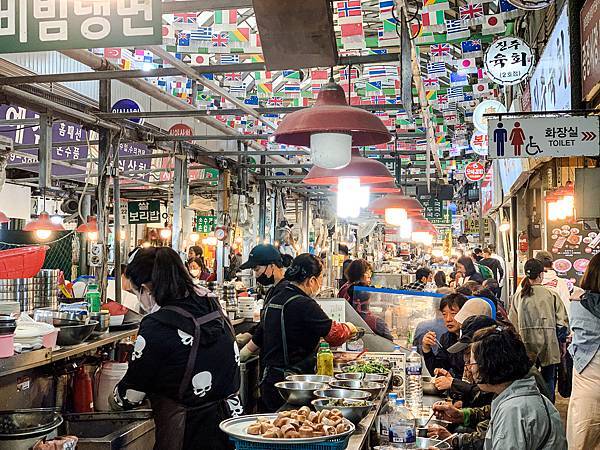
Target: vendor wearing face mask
[289,343]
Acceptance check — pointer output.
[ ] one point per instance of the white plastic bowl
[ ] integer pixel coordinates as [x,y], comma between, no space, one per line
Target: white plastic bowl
[117,320]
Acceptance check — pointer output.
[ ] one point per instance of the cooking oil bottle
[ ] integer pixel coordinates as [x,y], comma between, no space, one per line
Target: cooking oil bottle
[325,360]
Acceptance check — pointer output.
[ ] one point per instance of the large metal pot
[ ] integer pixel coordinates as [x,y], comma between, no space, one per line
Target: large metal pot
[299,392]
[21,429]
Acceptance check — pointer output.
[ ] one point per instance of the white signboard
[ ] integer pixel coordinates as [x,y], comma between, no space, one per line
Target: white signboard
[486,107]
[550,84]
[508,61]
[540,137]
[479,143]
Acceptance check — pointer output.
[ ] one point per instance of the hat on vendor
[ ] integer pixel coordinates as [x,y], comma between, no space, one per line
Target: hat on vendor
[263,255]
[473,307]
[469,327]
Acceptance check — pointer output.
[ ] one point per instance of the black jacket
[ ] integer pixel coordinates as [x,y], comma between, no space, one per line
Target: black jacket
[494,265]
[452,362]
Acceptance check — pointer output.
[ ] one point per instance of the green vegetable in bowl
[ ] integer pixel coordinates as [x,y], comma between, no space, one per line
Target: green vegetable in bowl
[368,367]
[344,402]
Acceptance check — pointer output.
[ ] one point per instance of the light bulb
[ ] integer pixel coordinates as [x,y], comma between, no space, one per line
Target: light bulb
[165,233]
[363,197]
[92,236]
[395,216]
[194,237]
[331,150]
[56,219]
[349,191]
[43,234]
[146,244]
[406,229]
[505,227]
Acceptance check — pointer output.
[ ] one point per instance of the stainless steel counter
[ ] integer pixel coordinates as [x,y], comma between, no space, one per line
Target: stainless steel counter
[37,358]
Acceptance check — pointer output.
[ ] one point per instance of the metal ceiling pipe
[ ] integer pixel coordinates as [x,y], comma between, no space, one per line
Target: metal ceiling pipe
[97,63]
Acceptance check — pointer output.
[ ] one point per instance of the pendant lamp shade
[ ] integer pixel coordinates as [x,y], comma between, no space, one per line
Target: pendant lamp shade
[4,218]
[331,127]
[368,170]
[91,226]
[379,188]
[395,201]
[43,223]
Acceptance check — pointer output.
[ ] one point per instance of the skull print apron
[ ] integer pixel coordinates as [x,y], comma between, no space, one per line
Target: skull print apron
[180,427]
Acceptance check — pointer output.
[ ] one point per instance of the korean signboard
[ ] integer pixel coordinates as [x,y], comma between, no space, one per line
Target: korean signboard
[147,211]
[474,171]
[541,137]
[135,149]
[62,131]
[590,43]
[479,143]
[508,61]
[471,225]
[437,212]
[205,224]
[36,25]
[487,191]
[572,247]
[550,83]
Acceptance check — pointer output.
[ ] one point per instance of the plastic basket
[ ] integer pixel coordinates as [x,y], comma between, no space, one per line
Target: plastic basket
[23,262]
[333,444]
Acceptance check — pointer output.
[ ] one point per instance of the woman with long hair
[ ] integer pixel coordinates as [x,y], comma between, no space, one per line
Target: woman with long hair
[583,420]
[185,358]
[540,317]
[466,267]
[293,325]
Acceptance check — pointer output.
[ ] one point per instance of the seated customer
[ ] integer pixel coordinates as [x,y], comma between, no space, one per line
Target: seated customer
[423,276]
[450,305]
[359,273]
[360,302]
[520,416]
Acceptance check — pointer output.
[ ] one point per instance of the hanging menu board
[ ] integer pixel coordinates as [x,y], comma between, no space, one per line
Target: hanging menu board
[572,247]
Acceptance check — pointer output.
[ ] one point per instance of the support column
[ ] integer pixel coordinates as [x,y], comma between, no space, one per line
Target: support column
[222,212]
[117,236]
[514,243]
[86,207]
[481,220]
[45,153]
[180,186]
[104,157]
[306,223]
[262,202]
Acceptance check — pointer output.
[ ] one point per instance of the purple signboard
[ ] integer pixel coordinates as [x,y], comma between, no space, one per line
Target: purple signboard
[129,165]
[62,131]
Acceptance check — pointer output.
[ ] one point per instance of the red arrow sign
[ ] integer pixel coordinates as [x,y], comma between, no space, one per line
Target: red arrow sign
[588,135]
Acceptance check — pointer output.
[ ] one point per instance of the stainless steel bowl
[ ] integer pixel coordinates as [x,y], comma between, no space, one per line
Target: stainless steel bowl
[75,334]
[20,429]
[362,376]
[429,387]
[298,392]
[371,387]
[353,413]
[343,393]
[103,319]
[59,319]
[312,378]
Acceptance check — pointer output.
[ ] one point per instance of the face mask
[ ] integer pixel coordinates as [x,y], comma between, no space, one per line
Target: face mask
[195,273]
[265,280]
[318,291]
[147,302]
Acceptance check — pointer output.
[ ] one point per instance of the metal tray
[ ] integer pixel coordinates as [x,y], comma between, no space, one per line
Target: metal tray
[237,426]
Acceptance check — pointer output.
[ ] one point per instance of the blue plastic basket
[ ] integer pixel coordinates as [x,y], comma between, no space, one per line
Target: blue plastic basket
[333,444]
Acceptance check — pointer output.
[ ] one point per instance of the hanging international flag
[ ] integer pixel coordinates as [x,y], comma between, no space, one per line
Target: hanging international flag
[508,10]
[481,88]
[456,29]
[373,87]
[220,39]
[291,89]
[471,12]
[420,36]
[198,59]
[275,101]
[201,34]
[433,19]
[385,7]
[460,128]
[225,20]
[291,74]
[493,24]
[233,77]
[455,94]
[450,118]
[349,11]
[239,38]
[352,74]
[440,51]
[239,90]
[229,59]
[436,68]
[317,74]
[466,65]
[183,39]
[458,79]
[389,28]
[435,5]
[431,96]
[442,99]
[471,48]
[431,82]
[185,21]
[351,29]
[251,100]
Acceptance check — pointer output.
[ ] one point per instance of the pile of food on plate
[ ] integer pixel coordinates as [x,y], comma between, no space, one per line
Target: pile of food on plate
[367,367]
[301,423]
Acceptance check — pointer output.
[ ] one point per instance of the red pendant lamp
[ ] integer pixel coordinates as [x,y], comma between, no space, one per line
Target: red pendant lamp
[90,227]
[368,170]
[4,218]
[379,188]
[43,223]
[395,201]
[331,128]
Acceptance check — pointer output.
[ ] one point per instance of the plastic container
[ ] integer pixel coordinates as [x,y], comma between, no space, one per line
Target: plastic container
[83,396]
[23,262]
[325,360]
[106,378]
[7,345]
[334,444]
[402,428]
[93,298]
[49,340]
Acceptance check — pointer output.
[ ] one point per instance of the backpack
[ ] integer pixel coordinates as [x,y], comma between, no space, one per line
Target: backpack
[484,271]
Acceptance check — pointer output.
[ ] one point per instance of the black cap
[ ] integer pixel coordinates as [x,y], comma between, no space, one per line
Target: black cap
[263,255]
[468,329]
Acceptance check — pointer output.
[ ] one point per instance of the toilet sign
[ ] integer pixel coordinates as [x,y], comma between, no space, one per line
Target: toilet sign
[544,137]
[474,171]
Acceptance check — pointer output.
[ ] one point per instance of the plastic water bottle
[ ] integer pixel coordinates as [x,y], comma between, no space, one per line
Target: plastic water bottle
[402,430]
[385,416]
[414,385]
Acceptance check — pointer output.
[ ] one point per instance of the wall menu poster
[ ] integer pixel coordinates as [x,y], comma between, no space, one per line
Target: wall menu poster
[572,247]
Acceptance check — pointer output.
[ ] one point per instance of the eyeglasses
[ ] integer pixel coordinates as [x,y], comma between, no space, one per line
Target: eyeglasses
[470,364]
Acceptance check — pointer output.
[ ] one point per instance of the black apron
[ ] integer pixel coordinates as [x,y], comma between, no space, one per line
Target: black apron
[271,398]
[180,427]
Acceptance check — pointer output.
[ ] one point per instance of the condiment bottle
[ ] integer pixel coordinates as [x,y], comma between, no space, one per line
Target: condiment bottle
[325,360]
[92,298]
